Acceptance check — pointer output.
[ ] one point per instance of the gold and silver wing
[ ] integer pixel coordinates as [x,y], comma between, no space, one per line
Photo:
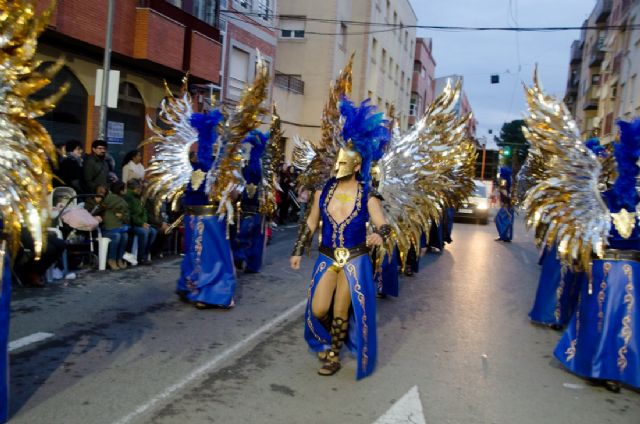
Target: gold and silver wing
[316,161]
[567,203]
[170,170]
[226,177]
[25,146]
[426,170]
[272,161]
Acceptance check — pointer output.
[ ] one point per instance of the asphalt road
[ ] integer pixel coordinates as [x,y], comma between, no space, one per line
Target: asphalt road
[455,347]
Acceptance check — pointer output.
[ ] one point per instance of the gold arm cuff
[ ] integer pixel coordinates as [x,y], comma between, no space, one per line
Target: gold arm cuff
[303,242]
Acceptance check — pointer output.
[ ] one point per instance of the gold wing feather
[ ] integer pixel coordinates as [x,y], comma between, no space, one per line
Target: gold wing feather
[25,146]
[316,161]
[567,204]
[170,170]
[426,170]
[272,161]
[227,177]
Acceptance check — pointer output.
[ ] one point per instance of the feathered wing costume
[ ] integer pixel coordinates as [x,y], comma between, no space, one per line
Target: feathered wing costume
[597,231]
[206,185]
[25,147]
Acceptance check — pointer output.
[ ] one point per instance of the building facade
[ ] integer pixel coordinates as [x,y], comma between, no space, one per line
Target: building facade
[462,106]
[311,53]
[423,79]
[248,26]
[153,40]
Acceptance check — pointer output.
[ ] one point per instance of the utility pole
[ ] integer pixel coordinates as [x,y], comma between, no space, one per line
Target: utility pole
[106,66]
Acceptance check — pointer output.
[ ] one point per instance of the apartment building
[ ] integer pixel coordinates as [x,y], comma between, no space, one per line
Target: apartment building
[462,106]
[423,79]
[153,40]
[317,38]
[247,26]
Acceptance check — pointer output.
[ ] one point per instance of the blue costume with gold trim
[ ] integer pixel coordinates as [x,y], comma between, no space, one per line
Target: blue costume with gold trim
[506,215]
[352,232]
[207,273]
[5,299]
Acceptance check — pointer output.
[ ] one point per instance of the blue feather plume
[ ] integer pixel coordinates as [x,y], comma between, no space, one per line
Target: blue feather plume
[252,171]
[594,145]
[206,124]
[367,131]
[626,152]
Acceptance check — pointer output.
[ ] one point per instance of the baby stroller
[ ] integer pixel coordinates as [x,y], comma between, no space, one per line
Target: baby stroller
[75,225]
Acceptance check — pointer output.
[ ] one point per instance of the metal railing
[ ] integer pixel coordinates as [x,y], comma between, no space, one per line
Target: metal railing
[289,82]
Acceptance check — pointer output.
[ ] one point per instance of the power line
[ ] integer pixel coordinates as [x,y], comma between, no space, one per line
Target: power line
[394,27]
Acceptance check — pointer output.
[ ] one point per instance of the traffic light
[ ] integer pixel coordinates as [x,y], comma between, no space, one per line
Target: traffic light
[507,151]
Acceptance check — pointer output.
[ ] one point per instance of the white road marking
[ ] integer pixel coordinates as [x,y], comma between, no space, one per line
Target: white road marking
[406,410]
[212,364]
[24,341]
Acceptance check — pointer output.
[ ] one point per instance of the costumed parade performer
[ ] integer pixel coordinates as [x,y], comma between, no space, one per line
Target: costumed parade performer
[506,214]
[205,186]
[25,147]
[258,201]
[596,229]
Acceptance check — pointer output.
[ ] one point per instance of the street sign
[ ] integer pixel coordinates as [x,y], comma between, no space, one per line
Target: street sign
[115,132]
[114,85]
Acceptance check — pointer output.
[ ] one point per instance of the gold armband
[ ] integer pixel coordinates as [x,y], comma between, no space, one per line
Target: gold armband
[384,231]
[303,242]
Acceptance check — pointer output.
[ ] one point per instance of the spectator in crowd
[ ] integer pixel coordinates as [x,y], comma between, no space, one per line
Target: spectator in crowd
[140,221]
[31,271]
[303,200]
[95,167]
[161,223]
[55,167]
[115,220]
[132,166]
[94,203]
[70,168]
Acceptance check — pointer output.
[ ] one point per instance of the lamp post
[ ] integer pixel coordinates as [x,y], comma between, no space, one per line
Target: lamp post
[105,73]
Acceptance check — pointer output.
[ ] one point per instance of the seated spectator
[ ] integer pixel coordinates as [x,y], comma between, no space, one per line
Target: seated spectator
[70,168]
[132,166]
[160,223]
[115,220]
[140,221]
[31,271]
[94,203]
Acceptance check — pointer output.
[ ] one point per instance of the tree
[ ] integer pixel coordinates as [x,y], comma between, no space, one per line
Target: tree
[513,144]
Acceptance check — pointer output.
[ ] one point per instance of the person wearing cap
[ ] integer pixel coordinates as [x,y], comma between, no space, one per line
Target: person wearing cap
[139,220]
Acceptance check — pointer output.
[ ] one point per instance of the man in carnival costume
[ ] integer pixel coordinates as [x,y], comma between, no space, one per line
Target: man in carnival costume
[596,231]
[506,214]
[206,185]
[342,292]
[25,146]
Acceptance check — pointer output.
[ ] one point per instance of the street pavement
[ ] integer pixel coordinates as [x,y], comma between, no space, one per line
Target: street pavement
[455,347]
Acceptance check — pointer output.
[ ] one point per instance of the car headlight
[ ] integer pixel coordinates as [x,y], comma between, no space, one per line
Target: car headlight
[483,206]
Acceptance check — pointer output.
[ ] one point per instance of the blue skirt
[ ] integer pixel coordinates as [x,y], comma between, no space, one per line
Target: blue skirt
[361,340]
[504,223]
[602,340]
[557,293]
[386,277]
[207,272]
[5,299]
[250,242]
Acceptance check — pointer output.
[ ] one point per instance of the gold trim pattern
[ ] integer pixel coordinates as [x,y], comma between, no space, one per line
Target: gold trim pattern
[626,331]
[571,350]
[365,328]
[559,291]
[191,285]
[320,268]
[602,295]
[338,229]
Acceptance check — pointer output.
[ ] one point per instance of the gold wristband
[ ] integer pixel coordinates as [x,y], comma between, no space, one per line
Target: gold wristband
[303,242]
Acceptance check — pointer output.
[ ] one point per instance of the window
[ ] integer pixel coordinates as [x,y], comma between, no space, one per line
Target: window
[390,68]
[406,39]
[397,73]
[292,27]
[417,66]
[595,79]
[383,60]
[374,50]
[343,36]
[247,4]
[388,11]
[205,10]
[176,3]
[265,9]
[370,94]
[379,103]
[402,81]
[238,71]
[400,32]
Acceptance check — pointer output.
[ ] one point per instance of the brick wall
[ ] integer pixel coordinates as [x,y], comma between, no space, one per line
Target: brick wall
[158,39]
[205,57]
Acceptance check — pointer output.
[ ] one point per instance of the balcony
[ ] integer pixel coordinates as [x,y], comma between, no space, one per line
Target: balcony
[617,63]
[602,10]
[576,52]
[592,98]
[289,82]
[596,55]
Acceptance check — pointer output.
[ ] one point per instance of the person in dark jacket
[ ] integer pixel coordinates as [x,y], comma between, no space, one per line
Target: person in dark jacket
[140,221]
[70,170]
[96,168]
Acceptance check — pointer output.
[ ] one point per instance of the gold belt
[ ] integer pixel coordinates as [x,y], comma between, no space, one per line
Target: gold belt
[621,255]
[342,255]
[201,210]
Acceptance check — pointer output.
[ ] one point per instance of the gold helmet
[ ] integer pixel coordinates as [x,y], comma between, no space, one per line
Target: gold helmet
[347,161]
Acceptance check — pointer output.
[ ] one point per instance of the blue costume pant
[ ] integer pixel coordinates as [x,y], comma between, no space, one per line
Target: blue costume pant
[602,340]
[207,272]
[361,340]
[250,242]
[557,293]
[5,299]
[504,223]
[386,277]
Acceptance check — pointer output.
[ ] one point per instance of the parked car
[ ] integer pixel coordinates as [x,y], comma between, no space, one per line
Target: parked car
[476,207]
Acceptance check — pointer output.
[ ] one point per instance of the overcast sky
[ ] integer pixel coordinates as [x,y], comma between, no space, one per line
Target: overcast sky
[478,55]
